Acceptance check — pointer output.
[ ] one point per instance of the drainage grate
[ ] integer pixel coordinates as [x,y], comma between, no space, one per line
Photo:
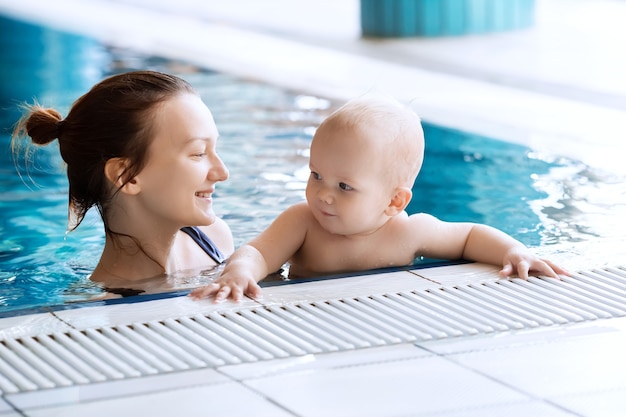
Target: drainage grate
[268,332]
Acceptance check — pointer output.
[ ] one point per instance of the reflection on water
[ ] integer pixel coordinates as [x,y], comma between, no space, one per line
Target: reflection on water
[82,290]
[580,203]
[265,135]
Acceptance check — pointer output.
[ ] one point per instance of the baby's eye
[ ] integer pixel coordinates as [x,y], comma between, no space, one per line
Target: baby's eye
[345,186]
[315,175]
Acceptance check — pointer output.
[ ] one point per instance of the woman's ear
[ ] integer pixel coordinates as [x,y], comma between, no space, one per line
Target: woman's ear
[115,171]
[401,198]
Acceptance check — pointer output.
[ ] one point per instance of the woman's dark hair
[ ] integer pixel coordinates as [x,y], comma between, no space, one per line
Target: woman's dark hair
[113,120]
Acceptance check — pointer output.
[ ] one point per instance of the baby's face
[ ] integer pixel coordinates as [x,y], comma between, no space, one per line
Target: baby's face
[348,189]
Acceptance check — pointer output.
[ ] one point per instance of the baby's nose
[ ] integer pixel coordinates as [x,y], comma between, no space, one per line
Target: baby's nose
[325,195]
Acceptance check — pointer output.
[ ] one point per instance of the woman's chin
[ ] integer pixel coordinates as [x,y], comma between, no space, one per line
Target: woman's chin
[207,218]
[210,218]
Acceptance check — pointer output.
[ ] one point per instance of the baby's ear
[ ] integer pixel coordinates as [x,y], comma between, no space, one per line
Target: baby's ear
[401,198]
[115,171]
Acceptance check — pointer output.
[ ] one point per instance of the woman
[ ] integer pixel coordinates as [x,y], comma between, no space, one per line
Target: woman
[140,147]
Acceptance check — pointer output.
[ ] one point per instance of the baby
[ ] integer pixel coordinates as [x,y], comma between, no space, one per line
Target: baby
[364,159]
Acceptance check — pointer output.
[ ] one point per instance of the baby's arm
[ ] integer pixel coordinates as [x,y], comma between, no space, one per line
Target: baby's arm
[263,255]
[240,276]
[489,245]
[480,243]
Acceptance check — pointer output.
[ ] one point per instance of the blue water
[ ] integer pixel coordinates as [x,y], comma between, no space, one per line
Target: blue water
[265,134]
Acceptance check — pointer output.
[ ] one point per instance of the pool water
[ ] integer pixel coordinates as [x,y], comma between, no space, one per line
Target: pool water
[265,134]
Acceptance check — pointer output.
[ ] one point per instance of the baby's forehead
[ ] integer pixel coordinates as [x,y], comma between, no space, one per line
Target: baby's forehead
[366,120]
[375,115]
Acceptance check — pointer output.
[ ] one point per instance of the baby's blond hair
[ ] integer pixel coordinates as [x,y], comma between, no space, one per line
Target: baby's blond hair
[400,138]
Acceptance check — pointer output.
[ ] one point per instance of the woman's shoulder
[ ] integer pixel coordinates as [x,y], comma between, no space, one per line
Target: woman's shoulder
[219,232]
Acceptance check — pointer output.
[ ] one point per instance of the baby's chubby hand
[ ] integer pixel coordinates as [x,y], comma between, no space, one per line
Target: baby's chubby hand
[520,261]
[229,286]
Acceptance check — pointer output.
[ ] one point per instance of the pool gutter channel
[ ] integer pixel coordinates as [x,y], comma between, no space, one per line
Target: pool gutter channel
[259,333]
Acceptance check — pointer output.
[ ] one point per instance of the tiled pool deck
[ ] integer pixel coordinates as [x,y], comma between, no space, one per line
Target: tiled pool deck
[558,86]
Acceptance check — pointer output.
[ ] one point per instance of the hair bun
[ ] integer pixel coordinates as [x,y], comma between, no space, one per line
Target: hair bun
[44,125]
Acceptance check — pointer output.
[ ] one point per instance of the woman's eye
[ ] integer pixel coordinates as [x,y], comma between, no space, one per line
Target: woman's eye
[345,186]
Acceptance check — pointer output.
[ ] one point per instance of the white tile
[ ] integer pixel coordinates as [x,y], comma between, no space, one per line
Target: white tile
[323,361]
[227,399]
[615,324]
[460,274]
[127,313]
[569,364]
[596,404]
[525,337]
[30,325]
[113,389]
[360,285]
[524,409]
[407,387]
[6,409]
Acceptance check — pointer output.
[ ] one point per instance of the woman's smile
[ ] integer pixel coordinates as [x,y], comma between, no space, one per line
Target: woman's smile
[204,194]
[206,197]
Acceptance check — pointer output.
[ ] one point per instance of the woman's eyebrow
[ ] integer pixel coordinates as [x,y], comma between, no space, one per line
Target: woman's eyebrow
[201,139]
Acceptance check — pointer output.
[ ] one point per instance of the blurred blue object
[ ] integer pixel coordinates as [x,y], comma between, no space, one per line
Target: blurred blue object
[404,18]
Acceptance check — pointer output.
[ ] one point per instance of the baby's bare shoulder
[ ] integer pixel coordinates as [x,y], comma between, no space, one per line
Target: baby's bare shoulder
[414,228]
[294,219]
[419,221]
[298,209]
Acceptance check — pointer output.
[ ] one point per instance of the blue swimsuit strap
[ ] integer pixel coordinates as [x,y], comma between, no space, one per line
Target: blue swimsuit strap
[205,243]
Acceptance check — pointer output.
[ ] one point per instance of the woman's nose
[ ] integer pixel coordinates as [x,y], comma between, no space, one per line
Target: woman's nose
[218,171]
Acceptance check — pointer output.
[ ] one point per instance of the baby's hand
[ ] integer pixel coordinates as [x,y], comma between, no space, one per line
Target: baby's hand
[521,261]
[228,287]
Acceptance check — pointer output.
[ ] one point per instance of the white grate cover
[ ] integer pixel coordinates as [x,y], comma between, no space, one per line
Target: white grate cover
[267,332]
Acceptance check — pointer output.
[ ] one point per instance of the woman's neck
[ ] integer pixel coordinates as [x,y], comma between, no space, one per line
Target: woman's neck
[132,259]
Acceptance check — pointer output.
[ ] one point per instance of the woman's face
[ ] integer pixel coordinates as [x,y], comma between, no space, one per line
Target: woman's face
[178,181]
